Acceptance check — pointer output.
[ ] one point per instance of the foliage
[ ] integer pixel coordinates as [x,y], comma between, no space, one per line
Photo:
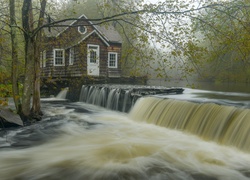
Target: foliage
[5,89]
[5,40]
[226,36]
[158,39]
[136,48]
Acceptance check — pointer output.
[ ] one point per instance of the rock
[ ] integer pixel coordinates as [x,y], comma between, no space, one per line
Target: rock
[9,119]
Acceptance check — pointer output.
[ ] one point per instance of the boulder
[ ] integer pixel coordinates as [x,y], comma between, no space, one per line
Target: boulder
[9,118]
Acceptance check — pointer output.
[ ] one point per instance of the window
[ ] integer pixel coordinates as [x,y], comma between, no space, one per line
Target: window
[112,60]
[43,59]
[58,57]
[71,56]
[82,29]
[93,53]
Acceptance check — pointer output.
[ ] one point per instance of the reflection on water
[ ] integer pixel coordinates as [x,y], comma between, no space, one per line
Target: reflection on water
[81,141]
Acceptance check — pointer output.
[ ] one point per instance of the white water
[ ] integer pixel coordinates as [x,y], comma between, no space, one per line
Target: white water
[76,144]
[224,124]
[63,93]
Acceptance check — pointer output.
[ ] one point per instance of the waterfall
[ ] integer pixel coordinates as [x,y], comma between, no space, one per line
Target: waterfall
[224,124]
[118,97]
[63,93]
[83,94]
[127,101]
[113,99]
[102,96]
[154,141]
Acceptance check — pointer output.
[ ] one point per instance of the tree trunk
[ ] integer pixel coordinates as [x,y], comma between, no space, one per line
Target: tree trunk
[14,73]
[27,18]
[28,78]
[36,105]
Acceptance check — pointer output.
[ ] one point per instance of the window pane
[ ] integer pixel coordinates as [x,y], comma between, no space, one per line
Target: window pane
[59,57]
[93,47]
[71,56]
[44,58]
[59,54]
[41,59]
[113,60]
[82,29]
[92,56]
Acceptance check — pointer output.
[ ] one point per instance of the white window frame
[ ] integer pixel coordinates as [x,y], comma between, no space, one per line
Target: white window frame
[71,56]
[97,50]
[116,59]
[43,59]
[63,57]
[79,29]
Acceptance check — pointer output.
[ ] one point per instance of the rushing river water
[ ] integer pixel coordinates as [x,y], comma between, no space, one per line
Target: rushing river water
[82,141]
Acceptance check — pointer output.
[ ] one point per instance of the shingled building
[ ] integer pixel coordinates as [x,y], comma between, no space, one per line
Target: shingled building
[80,48]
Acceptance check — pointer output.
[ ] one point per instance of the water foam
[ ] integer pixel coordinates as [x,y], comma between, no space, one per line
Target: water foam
[119,148]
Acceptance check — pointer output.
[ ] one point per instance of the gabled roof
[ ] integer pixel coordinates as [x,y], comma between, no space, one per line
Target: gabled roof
[71,44]
[95,33]
[110,33]
[107,32]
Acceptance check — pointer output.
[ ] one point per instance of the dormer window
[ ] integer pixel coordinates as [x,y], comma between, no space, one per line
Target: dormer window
[82,29]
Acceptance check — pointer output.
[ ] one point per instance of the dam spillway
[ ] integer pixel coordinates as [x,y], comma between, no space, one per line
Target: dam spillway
[224,124]
[153,141]
[120,97]
[227,125]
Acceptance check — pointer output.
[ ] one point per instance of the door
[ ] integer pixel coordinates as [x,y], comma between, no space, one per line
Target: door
[93,60]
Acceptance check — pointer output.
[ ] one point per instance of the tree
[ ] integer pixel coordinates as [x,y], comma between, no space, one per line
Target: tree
[14,74]
[32,63]
[135,41]
[31,85]
[167,23]
[225,29]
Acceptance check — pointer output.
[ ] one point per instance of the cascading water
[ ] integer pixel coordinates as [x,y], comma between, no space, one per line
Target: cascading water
[127,102]
[82,141]
[223,124]
[113,97]
[63,93]
[117,97]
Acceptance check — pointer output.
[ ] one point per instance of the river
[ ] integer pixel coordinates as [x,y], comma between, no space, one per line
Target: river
[76,140]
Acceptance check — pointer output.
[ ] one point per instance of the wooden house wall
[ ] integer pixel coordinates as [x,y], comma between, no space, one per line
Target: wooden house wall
[115,72]
[79,67]
[71,37]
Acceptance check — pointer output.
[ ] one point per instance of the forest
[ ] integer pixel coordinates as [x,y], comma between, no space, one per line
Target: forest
[182,39]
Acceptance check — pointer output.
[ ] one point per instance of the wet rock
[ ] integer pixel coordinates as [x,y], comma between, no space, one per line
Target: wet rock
[9,118]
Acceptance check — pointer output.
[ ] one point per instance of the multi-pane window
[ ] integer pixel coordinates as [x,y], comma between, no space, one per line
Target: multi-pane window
[58,57]
[112,60]
[43,59]
[93,51]
[71,56]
